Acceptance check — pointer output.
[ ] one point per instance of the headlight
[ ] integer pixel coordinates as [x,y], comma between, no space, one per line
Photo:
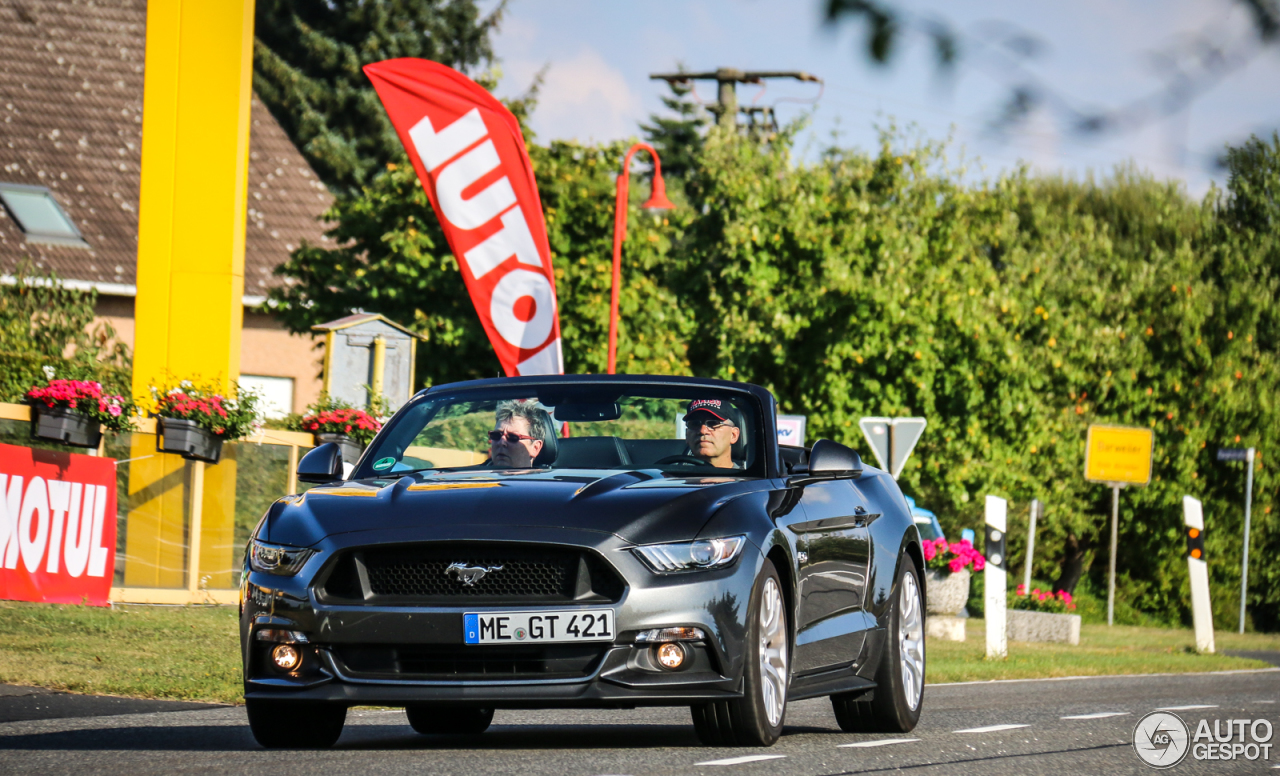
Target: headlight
[691,556]
[277,558]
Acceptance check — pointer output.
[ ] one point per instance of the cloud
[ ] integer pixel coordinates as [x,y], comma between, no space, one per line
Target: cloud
[583,98]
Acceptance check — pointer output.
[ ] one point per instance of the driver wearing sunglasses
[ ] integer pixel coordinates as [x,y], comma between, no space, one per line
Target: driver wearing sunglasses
[712,427]
[519,431]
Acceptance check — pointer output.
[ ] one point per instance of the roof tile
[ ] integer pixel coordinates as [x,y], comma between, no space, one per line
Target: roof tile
[71,82]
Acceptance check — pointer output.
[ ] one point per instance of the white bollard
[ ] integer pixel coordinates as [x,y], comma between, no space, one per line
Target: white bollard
[1198,570]
[994,580]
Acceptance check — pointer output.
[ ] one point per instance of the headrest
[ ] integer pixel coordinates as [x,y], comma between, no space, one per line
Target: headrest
[547,455]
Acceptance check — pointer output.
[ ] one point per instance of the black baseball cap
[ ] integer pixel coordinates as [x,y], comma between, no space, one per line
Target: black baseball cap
[716,408]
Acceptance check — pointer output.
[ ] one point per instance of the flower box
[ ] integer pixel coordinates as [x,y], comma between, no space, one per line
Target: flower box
[351,449]
[67,426]
[188,439]
[1024,625]
[75,412]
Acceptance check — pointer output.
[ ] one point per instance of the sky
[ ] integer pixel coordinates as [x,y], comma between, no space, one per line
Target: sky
[1090,54]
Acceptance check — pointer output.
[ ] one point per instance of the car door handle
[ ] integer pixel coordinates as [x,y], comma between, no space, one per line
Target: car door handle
[862,518]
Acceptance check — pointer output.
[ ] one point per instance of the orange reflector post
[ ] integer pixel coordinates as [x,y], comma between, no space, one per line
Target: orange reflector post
[1195,543]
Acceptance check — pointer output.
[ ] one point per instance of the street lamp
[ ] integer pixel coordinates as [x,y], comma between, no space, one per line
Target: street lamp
[657,201]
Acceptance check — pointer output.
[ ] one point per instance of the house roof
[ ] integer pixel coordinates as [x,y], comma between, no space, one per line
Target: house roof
[71,80]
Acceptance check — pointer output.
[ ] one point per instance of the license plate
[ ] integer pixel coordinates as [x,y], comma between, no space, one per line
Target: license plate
[537,627]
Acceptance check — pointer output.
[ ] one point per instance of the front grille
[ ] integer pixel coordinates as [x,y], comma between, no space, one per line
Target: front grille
[511,574]
[443,663]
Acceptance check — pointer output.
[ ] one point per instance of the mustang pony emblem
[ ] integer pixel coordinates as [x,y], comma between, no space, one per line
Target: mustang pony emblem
[469,575]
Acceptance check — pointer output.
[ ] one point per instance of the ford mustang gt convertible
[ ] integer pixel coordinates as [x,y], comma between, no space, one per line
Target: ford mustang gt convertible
[589,542]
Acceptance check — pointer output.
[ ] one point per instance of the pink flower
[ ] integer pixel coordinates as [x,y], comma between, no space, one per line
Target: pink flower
[929,552]
[956,564]
[114,409]
[1021,590]
[980,563]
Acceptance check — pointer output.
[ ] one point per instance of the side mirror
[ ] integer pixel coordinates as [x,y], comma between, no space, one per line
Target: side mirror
[834,459]
[323,464]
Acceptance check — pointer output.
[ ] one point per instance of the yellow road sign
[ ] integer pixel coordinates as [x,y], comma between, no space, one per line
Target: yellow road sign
[1119,454]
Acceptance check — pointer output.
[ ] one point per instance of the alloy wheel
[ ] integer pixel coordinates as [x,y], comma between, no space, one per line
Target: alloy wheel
[911,641]
[773,652]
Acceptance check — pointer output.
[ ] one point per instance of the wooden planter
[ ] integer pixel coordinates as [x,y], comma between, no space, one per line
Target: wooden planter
[187,439]
[66,426]
[351,449]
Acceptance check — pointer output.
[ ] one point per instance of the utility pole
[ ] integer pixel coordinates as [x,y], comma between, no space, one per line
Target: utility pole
[727,80]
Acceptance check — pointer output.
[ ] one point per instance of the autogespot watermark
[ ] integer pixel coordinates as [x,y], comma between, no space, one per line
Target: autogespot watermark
[1163,740]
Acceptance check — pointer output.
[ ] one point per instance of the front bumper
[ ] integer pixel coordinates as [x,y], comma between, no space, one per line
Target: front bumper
[714,601]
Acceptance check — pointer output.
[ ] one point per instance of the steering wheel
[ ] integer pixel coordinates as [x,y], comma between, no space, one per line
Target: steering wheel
[691,460]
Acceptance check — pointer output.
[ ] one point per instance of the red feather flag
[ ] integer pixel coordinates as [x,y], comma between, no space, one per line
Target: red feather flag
[470,157]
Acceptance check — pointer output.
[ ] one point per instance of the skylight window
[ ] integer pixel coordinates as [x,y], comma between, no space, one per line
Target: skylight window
[38,215]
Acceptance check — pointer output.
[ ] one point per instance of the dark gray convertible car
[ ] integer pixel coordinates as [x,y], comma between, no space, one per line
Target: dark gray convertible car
[584,541]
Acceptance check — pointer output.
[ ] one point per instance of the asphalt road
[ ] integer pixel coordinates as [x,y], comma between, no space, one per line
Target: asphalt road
[1019,727]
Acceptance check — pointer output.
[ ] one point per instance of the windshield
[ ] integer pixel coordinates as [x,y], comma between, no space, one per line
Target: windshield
[681,429]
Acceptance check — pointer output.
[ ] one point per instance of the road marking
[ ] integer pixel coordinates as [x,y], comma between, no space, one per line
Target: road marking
[990,729]
[1092,677]
[1187,708]
[1097,715]
[881,742]
[751,758]
[1264,701]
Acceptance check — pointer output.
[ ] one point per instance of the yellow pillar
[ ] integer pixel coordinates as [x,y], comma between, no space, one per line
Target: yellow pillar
[191,221]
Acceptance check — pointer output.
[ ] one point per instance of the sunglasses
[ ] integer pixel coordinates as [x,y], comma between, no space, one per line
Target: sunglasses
[694,425]
[512,437]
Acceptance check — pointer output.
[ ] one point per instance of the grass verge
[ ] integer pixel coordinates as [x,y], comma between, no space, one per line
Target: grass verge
[178,652]
[1120,649]
[192,653]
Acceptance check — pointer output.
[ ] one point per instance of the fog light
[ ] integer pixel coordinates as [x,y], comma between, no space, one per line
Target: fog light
[671,656]
[286,657]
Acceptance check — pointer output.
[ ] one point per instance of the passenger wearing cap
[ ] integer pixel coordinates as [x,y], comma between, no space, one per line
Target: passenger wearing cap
[712,427]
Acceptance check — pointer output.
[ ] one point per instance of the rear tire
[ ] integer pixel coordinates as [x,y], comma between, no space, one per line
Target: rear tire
[756,718]
[445,720]
[295,724]
[895,703]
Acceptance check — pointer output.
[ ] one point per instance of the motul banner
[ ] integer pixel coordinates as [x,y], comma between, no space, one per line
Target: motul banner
[57,526]
[470,157]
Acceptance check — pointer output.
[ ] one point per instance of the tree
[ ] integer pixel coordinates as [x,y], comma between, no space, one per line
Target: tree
[678,140]
[307,60]
[45,324]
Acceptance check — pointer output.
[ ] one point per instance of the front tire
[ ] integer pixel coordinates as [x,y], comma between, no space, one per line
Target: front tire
[295,724]
[895,703]
[443,720]
[756,718]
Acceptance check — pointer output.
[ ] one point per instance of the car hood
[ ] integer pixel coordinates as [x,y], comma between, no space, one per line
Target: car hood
[639,506]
